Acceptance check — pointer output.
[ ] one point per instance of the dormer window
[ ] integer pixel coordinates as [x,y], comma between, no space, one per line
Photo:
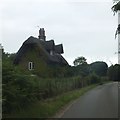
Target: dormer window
[30,66]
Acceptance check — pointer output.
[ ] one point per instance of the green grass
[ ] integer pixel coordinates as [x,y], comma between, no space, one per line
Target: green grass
[49,107]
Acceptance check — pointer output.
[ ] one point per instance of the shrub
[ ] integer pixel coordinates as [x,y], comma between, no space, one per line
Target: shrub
[94,78]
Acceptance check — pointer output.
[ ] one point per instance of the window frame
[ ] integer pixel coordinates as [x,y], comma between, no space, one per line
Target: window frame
[30,66]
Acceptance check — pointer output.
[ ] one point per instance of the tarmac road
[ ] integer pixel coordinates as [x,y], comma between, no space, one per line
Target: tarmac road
[101,102]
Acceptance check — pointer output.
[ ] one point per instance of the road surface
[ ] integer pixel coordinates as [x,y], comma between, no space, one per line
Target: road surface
[101,102]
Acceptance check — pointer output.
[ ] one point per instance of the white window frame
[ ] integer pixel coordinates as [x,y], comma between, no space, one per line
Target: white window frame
[30,65]
[51,52]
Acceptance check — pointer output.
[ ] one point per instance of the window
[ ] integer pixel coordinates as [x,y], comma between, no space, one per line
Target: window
[51,52]
[30,65]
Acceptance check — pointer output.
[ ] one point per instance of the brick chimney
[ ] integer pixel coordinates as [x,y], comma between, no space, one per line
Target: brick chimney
[42,34]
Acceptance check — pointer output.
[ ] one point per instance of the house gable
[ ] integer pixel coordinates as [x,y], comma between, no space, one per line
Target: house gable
[40,52]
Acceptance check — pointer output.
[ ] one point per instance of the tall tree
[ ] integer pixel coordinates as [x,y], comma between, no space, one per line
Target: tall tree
[116,7]
[79,61]
[114,72]
[99,68]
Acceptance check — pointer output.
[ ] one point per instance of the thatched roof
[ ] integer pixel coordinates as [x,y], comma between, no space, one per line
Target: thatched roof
[48,45]
[45,47]
[59,49]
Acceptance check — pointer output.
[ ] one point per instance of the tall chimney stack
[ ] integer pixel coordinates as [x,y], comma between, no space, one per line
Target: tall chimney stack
[42,34]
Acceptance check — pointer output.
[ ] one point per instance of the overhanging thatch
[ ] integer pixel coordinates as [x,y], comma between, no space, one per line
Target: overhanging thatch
[45,47]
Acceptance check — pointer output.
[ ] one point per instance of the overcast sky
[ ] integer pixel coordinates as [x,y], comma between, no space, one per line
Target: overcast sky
[84,28]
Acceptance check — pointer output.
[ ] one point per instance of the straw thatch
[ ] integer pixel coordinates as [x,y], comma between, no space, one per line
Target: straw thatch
[46,47]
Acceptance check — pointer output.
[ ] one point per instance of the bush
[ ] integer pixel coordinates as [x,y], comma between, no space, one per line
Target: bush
[94,78]
[21,91]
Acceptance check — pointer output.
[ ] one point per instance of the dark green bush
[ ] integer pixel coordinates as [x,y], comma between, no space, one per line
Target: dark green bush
[94,78]
[21,88]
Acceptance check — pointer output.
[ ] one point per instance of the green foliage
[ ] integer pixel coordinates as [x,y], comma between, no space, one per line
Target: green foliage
[20,91]
[82,70]
[49,107]
[114,72]
[99,68]
[21,88]
[94,78]
[115,8]
[79,61]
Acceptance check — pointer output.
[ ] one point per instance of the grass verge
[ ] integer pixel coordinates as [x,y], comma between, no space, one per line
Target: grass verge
[49,107]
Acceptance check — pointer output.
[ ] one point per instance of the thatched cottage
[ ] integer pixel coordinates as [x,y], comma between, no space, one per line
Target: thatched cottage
[37,53]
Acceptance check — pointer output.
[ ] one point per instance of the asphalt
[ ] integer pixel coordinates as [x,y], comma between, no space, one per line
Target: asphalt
[100,102]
